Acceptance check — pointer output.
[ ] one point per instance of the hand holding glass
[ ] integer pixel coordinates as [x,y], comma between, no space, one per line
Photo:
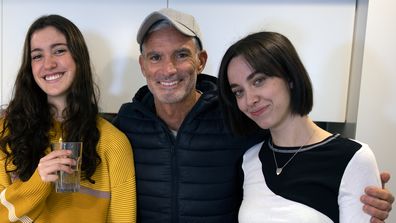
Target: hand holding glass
[69,182]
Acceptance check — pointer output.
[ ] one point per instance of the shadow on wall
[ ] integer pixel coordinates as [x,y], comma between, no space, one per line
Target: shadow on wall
[117,73]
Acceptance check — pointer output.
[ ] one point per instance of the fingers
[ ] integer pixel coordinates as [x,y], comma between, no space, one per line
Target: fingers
[55,161]
[55,154]
[377,203]
[376,220]
[382,194]
[377,215]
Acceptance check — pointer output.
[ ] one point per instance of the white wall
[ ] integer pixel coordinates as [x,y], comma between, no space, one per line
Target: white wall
[321,30]
[376,123]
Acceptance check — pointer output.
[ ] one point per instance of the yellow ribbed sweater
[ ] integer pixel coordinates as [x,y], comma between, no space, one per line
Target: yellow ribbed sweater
[111,199]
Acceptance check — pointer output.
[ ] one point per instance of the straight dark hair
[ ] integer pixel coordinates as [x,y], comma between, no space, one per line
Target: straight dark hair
[272,54]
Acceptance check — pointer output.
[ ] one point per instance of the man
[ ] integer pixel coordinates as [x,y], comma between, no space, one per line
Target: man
[186,159]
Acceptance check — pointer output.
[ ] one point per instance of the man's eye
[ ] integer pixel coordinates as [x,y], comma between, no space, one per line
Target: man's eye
[155,58]
[182,55]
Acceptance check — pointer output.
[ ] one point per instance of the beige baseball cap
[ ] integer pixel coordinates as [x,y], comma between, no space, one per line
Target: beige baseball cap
[183,22]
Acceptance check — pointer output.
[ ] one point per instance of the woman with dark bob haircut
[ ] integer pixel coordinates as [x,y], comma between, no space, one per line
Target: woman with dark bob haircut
[300,172]
[55,98]
[277,58]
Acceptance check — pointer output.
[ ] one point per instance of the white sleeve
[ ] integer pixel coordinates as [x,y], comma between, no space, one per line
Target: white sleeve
[362,171]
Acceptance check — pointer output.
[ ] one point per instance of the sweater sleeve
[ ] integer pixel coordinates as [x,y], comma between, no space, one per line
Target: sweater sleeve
[362,171]
[20,200]
[122,180]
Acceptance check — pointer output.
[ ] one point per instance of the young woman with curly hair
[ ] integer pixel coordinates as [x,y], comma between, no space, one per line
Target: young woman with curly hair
[55,97]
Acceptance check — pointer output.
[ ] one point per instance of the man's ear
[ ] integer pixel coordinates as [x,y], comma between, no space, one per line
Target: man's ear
[203,57]
[141,63]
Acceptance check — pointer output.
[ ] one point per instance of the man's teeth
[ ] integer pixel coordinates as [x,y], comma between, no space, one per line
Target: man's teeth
[169,83]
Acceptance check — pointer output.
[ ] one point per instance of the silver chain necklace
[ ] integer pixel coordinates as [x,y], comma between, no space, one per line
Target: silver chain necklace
[280,169]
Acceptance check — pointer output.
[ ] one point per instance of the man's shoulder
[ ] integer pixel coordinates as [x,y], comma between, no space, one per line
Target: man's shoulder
[206,83]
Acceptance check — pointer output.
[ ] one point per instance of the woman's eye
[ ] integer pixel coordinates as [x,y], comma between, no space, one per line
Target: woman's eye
[36,57]
[258,81]
[237,93]
[59,51]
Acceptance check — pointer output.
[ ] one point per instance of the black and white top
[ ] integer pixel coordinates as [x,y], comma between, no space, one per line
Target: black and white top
[322,183]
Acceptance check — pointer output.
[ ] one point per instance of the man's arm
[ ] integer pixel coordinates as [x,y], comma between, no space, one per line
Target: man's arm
[378,201]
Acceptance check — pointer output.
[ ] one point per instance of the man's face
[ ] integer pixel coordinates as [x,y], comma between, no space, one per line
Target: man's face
[170,61]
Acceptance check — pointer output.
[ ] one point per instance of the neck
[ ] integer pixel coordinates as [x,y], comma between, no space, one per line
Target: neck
[298,131]
[57,107]
[174,114]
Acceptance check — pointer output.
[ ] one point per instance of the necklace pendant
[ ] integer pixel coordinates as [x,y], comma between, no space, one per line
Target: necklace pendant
[278,171]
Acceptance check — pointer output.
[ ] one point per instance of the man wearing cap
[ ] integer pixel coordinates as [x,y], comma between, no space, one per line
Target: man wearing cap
[186,160]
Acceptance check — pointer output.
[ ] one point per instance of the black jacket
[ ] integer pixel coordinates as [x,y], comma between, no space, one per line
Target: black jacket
[193,177]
